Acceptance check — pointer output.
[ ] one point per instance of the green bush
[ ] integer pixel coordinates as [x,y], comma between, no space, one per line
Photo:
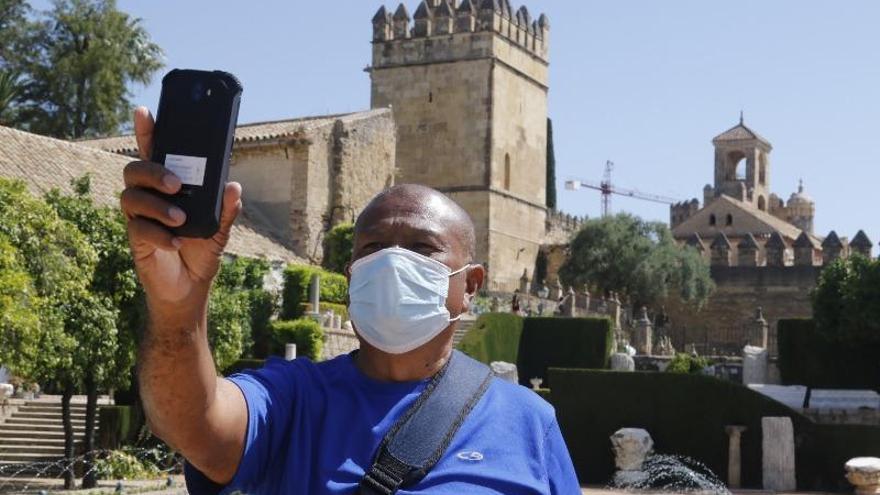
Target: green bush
[494,337]
[115,426]
[686,415]
[846,302]
[228,325]
[809,357]
[338,243]
[244,364]
[304,332]
[126,465]
[334,289]
[263,305]
[685,363]
[562,342]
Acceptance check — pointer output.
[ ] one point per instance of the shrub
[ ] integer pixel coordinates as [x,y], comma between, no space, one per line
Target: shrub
[340,309]
[810,357]
[846,302]
[228,325]
[562,342]
[115,426]
[263,305]
[338,243]
[304,332]
[125,465]
[685,363]
[244,364]
[494,337]
[334,289]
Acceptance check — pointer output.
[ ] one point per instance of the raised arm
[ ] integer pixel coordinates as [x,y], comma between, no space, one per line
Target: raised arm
[202,416]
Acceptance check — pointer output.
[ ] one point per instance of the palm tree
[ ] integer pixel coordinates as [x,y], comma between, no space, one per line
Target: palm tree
[10,88]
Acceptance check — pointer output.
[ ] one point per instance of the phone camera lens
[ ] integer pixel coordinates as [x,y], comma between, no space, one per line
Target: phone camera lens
[198,90]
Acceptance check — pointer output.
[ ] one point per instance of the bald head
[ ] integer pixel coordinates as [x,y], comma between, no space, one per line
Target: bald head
[417,215]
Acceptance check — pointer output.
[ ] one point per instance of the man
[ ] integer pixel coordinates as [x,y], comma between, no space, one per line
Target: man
[301,427]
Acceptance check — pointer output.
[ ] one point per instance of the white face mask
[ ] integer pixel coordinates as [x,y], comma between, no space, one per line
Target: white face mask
[398,299]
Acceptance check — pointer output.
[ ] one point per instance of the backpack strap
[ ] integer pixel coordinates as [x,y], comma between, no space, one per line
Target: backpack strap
[419,438]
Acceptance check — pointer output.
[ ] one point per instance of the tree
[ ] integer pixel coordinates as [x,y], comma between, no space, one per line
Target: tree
[108,327]
[80,60]
[13,20]
[338,244]
[846,302]
[551,168]
[638,260]
[60,263]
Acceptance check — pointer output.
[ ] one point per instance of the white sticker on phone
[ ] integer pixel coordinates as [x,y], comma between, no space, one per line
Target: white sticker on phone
[190,169]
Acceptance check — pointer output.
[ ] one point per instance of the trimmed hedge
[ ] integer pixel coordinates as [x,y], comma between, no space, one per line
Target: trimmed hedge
[334,289]
[244,364]
[807,357]
[340,309]
[304,332]
[686,415]
[115,426]
[562,343]
[494,337]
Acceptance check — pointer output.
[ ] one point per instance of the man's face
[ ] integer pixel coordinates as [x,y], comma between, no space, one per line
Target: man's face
[427,226]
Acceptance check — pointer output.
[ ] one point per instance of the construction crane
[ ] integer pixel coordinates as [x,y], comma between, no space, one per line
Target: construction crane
[607,189]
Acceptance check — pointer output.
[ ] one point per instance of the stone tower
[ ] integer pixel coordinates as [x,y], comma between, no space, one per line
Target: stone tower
[742,166]
[467,83]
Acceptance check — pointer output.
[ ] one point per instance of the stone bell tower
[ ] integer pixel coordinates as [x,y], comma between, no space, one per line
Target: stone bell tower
[742,166]
[467,83]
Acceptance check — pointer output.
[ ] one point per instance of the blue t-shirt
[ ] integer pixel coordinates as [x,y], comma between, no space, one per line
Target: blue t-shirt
[314,428]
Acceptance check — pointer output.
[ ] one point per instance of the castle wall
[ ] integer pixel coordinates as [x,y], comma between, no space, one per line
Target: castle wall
[515,236]
[363,162]
[266,175]
[471,110]
[442,115]
[724,321]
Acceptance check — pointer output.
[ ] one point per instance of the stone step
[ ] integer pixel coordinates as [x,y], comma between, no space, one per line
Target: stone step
[53,441]
[51,434]
[49,409]
[47,415]
[42,421]
[49,450]
[59,429]
[27,457]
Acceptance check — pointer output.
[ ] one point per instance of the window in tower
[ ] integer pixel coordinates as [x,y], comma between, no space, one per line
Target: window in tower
[712,219]
[729,219]
[507,171]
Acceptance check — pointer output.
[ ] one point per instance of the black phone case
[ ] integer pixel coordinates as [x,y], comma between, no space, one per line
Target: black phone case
[189,127]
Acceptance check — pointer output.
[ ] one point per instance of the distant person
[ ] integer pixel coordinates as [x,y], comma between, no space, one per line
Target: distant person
[300,427]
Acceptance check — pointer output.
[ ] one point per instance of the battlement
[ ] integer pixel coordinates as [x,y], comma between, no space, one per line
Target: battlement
[478,23]
[561,226]
[679,212]
[774,252]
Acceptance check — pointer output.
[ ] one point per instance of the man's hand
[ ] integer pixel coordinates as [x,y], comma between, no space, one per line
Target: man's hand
[173,270]
[187,405]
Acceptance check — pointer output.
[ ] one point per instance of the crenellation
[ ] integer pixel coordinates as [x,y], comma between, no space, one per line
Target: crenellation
[832,248]
[382,25]
[466,17]
[445,18]
[424,21]
[400,22]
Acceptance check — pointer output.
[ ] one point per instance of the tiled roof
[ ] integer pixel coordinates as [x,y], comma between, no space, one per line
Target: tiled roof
[44,163]
[244,133]
[739,132]
[761,222]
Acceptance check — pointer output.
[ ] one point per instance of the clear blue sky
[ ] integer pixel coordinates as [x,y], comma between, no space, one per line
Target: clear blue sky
[646,84]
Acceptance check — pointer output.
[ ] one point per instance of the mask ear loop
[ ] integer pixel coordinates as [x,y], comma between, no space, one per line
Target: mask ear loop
[456,272]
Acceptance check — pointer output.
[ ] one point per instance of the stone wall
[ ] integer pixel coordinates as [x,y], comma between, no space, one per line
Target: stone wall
[782,292]
[471,109]
[300,187]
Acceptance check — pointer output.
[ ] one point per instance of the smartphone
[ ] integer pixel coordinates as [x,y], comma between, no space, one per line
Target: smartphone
[192,137]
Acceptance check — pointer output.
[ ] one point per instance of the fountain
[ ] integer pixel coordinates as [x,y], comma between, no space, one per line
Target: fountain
[36,475]
[640,468]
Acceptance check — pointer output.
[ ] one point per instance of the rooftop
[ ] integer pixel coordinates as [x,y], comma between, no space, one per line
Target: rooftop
[45,163]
